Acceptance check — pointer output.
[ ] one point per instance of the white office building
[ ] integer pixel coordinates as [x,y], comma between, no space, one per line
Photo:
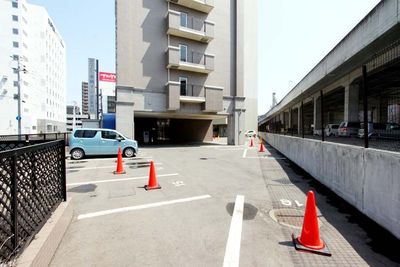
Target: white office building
[30,40]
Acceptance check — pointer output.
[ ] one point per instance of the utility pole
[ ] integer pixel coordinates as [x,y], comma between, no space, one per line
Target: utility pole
[19,99]
[18,95]
[97,91]
[73,116]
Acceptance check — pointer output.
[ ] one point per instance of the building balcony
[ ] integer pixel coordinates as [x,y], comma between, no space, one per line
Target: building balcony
[201,5]
[189,60]
[209,97]
[190,27]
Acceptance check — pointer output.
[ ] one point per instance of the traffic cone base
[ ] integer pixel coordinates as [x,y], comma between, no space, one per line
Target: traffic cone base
[324,251]
[120,172]
[152,188]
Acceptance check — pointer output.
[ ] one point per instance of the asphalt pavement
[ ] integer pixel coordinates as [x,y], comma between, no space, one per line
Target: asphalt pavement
[219,205]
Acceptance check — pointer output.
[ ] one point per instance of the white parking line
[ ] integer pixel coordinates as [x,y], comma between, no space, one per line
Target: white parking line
[114,158]
[232,251]
[140,207]
[244,153]
[120,180]
[105,167]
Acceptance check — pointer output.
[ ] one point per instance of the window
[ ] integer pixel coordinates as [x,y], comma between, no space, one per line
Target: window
[183,85]
[14,17]
[85,133]
[109,135]
[184,19]
[15,83]
[15,31]
[15,4]
[15,57]
[15,44]
[183,52]
[33,127]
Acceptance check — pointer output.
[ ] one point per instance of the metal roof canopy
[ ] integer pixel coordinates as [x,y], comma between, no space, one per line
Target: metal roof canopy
[377,30]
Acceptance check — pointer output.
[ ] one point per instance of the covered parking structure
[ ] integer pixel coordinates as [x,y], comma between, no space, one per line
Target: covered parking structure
[357,82]
[375,81]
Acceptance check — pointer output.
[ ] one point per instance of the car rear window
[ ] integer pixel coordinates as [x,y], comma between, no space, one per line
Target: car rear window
[335,126]
[353,124]
[85,133]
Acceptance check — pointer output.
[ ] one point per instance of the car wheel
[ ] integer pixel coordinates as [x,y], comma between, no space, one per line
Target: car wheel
[77,153]
[129,152]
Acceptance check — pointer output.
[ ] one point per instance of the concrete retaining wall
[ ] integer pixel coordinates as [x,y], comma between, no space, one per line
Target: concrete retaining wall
[369,179]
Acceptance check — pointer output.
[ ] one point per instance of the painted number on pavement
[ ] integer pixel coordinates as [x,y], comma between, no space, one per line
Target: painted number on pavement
[178,183]
[287,202]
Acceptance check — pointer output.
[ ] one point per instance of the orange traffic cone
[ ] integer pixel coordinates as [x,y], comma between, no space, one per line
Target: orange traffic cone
[261,146]
[120,167]
[251,142]
[309,239]
[152,184]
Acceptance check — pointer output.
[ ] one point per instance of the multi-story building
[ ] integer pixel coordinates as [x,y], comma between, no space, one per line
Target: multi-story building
[31,48]
[74,120]
[70,109]
[182,64]
[85,98]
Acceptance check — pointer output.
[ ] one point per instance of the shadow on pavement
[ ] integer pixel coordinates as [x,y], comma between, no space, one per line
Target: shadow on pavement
[375,236]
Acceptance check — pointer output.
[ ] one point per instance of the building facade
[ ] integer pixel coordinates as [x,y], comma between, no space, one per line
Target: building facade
[32,47]
[74,120]
[182,64]
[85,98]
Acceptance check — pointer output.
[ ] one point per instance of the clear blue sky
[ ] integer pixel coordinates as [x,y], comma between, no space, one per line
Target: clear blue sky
[293,37]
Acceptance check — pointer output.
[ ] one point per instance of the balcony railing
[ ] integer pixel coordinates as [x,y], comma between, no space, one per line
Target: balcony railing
[191,27]
[192,61]
[201,5]
[210,98]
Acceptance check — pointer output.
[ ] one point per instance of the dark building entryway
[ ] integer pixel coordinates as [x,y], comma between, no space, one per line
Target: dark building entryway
[172,131]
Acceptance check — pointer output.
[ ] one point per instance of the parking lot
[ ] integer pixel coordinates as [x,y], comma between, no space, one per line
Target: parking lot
[192,220]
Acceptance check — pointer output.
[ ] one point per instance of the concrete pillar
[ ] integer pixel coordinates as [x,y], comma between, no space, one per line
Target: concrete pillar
[351,99]
[236,127]
[124,112]
[124,119]
[299,119]
[317,113]
[290,118]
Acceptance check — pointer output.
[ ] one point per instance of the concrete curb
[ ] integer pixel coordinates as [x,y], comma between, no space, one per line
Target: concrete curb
[41,250]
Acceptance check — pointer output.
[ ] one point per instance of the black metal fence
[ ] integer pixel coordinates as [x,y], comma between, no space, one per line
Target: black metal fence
[32,185]
[8,142]
[44,137]
[370,105]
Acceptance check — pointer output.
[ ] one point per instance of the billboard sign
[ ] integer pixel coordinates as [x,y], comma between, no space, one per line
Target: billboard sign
[107,77]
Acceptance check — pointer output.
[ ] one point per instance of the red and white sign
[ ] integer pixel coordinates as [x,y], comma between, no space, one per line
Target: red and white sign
[107,77]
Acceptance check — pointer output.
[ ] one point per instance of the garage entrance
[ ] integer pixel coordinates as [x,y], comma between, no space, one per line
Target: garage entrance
[172,131]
